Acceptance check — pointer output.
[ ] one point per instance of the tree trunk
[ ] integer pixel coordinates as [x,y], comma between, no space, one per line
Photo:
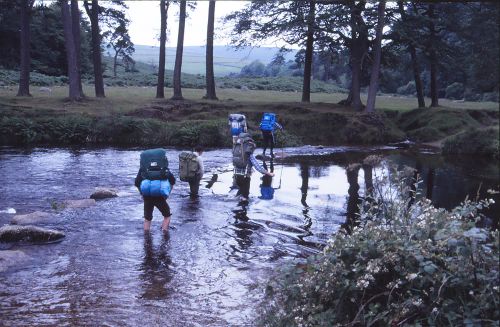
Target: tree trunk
[372,91]
[24,76]
[93,14]
[115,62]
[306,86]
[357,47]
[433,58]
[414,62]
[75,22]
[178,53]
[210,78]
[74,91]
[160,88]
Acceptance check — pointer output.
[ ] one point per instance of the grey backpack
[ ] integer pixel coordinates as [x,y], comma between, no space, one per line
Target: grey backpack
[188,166]
[242,149]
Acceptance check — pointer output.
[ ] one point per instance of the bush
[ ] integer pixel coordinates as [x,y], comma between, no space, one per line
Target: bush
[455,91]
[406,263]
[491,96]
[407,89]
[476,141]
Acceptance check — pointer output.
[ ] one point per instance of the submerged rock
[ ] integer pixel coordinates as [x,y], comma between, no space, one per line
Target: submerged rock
[16,233]
[103,193]
[79,203]
[9,258]
[32,218]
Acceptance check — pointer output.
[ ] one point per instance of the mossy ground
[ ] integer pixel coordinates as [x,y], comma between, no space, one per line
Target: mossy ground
[131,116]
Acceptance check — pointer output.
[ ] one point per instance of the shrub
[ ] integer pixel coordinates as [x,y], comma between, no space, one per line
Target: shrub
[407,89]
[475,141]
[491,96]
[455,91]
[406,263]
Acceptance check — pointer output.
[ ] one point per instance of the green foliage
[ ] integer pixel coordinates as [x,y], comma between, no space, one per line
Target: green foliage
[408,89]
[455,91]
[406,263]
[475,141]
[424,125]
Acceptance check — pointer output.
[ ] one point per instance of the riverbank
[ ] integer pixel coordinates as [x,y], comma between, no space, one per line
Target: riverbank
[132,117]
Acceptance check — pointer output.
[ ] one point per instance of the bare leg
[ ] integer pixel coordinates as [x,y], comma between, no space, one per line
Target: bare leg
[166,222]
[147,225]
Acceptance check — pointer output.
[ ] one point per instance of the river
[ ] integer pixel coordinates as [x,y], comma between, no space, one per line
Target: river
[210,268]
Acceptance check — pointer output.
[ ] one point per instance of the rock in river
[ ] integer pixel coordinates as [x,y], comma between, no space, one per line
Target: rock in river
[15,233]
[103,193]
[10,258]
[79,203]
[32,218]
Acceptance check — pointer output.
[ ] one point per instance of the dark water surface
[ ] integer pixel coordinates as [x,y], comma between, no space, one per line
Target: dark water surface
[209,270]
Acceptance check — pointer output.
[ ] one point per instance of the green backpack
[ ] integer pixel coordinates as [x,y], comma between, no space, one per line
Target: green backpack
[188,166]
[242,149]
[154,164]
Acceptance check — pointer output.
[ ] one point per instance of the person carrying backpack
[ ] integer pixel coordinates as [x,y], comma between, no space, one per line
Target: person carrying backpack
[155,183]
[191,169]
[267,125]
[244,161]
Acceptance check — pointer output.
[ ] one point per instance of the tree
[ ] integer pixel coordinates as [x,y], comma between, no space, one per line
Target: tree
[433,56]
[405,32]
[210,79]
[93,10]
[294,22]
[372,92]
[163,38]
[116,35]
[306,85]
[24,76]
[74,90]
[178,54]
[75,28]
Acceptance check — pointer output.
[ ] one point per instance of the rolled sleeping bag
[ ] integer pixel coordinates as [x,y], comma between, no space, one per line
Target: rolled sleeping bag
[155,188]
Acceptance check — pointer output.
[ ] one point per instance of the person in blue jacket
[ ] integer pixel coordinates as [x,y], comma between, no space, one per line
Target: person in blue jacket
[268,125]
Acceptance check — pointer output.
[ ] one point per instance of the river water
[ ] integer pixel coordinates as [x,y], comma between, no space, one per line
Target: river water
[210,268]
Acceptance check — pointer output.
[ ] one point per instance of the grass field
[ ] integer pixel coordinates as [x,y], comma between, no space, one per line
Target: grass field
[124,99]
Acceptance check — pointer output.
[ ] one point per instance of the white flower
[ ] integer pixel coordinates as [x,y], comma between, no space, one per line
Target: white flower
[411,276]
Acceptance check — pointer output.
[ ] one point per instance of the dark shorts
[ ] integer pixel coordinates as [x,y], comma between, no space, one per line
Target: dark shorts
[268,139]
[243,183]
[150,202]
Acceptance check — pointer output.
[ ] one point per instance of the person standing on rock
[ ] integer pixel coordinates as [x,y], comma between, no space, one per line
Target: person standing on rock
[244,161]
[155,183]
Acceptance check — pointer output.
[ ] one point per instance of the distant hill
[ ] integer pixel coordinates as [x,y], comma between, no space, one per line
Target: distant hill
[226,59]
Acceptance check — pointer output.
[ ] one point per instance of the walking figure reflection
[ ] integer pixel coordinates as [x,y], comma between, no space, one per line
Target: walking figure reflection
[155,269]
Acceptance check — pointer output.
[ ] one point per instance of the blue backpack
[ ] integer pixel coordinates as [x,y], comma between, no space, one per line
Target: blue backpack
[267,122]
[156,188]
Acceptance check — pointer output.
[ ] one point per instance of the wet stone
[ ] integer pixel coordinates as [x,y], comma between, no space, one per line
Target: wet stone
[32,234]
[10,258]
[103,193]
[71,204]
[36,217]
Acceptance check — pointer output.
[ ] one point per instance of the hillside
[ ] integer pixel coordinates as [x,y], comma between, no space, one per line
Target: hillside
[226,59]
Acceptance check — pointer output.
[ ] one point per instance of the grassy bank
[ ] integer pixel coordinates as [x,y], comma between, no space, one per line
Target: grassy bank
[132,116]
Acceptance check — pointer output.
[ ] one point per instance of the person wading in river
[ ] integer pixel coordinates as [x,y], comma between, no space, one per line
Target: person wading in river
[243,162]
[155,183]
[267,125]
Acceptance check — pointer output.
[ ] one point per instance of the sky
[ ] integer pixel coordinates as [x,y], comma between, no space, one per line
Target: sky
[144,28]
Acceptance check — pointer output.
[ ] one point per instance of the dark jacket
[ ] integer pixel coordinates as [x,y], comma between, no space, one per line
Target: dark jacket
[139,179]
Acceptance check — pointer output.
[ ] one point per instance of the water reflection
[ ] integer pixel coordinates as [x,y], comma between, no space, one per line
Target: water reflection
[353,200]
[156,272]
[305,174]
[266,187]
